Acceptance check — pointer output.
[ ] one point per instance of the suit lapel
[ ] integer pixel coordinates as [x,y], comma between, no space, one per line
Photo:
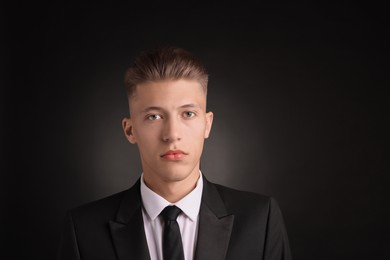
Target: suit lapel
[215,225]
[127,230]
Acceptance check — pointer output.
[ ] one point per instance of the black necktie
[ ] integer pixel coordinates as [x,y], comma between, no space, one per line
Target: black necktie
[172,245]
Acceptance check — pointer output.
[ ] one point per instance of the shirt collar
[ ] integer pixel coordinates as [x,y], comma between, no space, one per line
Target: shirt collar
[154,203]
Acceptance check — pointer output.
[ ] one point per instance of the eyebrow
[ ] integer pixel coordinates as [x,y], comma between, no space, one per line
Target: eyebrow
[190,106]
[161,109]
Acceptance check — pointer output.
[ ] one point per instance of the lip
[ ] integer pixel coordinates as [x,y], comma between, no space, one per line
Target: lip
[174,155]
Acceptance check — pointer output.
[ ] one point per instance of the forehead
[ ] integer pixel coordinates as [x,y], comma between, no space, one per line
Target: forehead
[168,93]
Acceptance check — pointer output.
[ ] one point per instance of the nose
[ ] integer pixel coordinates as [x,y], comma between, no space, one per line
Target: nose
[171,130]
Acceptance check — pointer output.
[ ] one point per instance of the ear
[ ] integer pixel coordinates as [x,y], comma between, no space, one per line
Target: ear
[127,126]
[209,123]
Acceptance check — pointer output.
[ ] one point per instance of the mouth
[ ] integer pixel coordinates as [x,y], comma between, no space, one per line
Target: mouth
[174,155]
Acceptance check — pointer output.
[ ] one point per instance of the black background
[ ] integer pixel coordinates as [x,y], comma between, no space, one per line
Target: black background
[299,93]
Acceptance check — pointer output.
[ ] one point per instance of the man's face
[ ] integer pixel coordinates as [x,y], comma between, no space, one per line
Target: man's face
[169,123]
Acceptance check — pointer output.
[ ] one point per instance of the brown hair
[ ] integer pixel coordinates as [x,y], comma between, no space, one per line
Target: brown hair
[165,63]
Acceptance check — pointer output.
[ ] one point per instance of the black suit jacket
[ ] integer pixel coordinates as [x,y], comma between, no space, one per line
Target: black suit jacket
[232,225]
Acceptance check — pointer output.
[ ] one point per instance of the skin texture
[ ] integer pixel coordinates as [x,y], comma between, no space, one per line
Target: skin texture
[169,116]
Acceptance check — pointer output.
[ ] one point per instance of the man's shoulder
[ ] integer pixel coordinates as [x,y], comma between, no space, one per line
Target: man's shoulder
[240,194]
[106,201]
[109,202]
[103,208]
[237,199]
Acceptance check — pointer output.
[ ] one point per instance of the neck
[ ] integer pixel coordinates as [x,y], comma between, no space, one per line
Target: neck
[170,189]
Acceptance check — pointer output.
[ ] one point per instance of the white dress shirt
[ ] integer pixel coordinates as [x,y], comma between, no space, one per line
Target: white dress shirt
[153,204]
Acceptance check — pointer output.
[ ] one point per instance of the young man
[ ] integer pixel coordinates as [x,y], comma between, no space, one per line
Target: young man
[167,89]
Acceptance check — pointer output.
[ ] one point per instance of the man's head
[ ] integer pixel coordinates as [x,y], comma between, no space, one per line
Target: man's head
[165,63]
[168,118]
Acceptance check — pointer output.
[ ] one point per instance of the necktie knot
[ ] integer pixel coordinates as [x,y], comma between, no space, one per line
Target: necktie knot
[170,213]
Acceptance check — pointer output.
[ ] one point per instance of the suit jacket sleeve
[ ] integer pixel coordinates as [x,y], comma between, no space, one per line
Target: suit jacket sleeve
[277,244]
[68,249]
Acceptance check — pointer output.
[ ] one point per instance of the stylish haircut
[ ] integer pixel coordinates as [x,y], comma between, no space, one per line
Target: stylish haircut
[165,63]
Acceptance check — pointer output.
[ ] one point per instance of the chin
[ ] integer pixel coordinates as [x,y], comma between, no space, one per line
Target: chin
[178,173]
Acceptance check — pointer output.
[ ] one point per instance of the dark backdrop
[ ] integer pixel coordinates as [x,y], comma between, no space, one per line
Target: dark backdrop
[298,92]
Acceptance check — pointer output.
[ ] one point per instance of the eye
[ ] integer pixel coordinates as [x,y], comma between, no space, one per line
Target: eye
[189,114]
[153,117]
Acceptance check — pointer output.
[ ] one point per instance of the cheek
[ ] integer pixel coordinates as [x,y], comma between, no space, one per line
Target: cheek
[145,137]
[199,135]
[194,132]
[202,131]
[145,131]
[146,147]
